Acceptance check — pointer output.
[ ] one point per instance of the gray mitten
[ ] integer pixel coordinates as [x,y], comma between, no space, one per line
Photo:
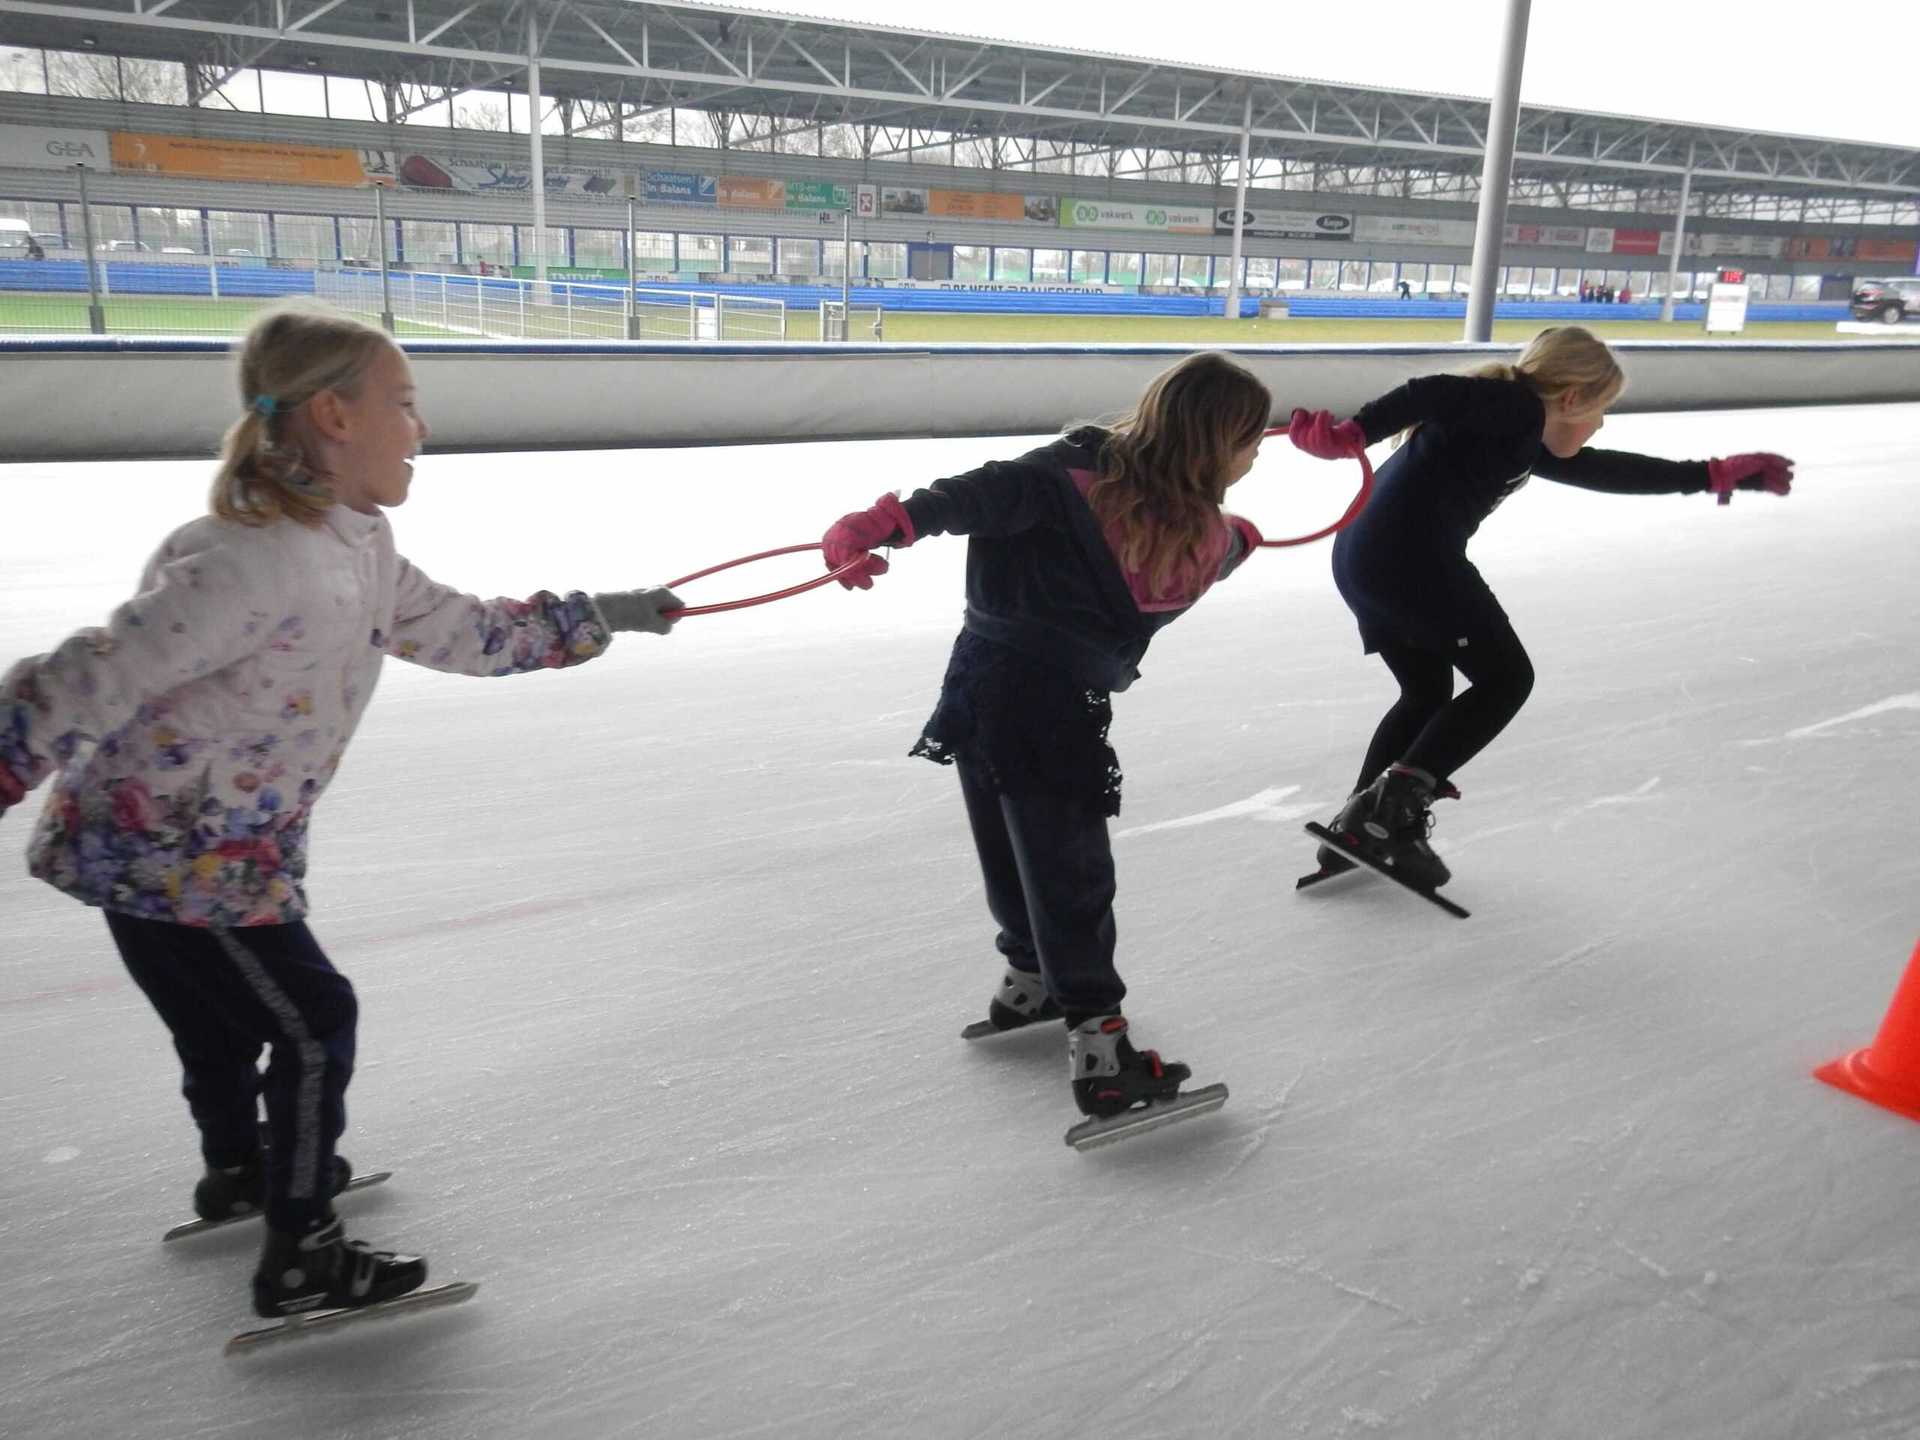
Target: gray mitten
[639,609]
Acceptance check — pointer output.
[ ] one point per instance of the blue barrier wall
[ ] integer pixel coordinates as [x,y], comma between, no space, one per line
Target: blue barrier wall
[134,278]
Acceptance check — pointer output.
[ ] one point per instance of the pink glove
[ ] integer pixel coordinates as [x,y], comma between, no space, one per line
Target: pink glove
[1325,438]
[885,522]
[1757,471]
[1250,537]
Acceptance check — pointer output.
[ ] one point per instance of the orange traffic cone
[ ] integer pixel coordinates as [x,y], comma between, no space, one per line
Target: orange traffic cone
[1887,1072]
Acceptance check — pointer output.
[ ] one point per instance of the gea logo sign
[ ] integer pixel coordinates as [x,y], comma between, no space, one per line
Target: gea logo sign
[70,149]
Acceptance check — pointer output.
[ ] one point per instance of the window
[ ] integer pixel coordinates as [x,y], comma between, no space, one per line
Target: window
[1089,267]
[1260,272]
[700,253]
[1353,274]
[1123,267]
[303,237]
[489,244]
[428,244]
[1012,264]
[1440,280]
[600,249]
[1194,271]
[1161,270]
[1050,265]
[886,260]
[970,262]
[797,256]
[1292,274]
[234,231]
[1325,275]
[749,255]
[170,230]
[653,251]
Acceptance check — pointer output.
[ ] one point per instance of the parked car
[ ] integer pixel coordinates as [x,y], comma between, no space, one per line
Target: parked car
[1888,301]
[122,246]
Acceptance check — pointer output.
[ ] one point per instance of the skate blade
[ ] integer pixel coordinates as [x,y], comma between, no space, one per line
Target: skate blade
[295,1326]
[1094,1132]
[1325,873]
[1321,832]
[200,1227]
[986,1029]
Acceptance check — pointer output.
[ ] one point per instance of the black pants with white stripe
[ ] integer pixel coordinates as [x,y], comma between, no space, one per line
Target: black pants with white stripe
[229,994]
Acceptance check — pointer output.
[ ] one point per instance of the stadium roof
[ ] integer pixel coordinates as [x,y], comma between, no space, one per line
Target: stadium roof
[630,57]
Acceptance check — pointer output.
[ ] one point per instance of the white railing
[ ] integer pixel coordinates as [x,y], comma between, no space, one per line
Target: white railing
[503,307]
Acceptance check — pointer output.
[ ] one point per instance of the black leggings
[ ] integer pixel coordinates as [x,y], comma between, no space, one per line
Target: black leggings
[1431,729]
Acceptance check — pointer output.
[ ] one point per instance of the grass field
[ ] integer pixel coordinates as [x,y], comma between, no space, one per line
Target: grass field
[168,315]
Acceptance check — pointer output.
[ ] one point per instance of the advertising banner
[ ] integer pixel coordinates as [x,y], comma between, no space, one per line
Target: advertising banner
[35,145]
[1027,287]
[743,192]
[1404,231]
[1708,243]
[678,187]
[238,159]
[1080,214]
[902,200]
[481,175]
[866,201]
[1565,237]
[816,195]
[1286,224]
[976,205]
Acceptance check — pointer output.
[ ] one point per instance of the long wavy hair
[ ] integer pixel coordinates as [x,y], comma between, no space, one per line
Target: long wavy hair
[1167,463]
[268,470]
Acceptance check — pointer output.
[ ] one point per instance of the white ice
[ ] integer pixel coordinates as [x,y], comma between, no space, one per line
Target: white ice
[663,961]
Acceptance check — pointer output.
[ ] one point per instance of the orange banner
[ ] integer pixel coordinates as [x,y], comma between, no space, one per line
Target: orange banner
[752,194]
[236,159]
[1869,248]
[976,205]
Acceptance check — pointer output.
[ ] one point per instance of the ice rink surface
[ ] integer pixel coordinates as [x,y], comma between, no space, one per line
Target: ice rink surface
[662,964]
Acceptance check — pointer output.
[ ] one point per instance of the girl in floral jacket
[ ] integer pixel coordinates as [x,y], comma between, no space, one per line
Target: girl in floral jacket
[193,734]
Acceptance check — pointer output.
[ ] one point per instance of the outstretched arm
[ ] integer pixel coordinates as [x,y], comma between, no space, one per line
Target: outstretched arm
[443,629]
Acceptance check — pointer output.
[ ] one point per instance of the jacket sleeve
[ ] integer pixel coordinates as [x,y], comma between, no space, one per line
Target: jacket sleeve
[1620,472]
[201,612]
[1473,402]
[443,629]
[1002,497]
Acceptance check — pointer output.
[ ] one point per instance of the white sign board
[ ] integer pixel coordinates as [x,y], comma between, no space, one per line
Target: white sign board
[1726,309]
[37,146]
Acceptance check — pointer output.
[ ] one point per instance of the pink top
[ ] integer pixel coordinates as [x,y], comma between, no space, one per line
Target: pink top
[1188,582]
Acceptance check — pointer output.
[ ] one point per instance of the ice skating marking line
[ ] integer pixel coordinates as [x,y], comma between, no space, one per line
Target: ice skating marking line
[1265,807]
[1897,702]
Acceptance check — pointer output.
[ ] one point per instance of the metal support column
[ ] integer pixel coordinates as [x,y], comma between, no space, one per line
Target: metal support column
[1240,208]
[539,156]
[846,273]
[380,235]
[96,317]
[633,294]
[1496,173]
[1679,239]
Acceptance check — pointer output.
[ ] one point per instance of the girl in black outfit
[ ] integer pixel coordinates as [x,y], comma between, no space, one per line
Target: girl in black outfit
[1078,552]
[1402,567]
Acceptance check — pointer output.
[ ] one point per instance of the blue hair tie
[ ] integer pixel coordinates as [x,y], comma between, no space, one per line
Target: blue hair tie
[265,404]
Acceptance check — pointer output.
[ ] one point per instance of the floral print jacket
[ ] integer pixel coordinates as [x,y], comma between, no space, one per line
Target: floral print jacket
[195,731]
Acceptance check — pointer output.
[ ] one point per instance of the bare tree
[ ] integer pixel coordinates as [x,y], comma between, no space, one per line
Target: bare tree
[103,77]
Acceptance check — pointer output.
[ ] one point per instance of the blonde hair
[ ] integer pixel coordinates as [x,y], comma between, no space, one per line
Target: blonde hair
[1560,360]
[290,355]
[1167,463]
[1566,360]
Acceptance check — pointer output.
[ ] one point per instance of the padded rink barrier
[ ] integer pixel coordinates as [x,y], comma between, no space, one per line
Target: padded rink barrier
[93,398]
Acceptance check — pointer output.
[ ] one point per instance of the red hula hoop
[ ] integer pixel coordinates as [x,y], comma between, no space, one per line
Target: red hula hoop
[771,595]
[1353,510]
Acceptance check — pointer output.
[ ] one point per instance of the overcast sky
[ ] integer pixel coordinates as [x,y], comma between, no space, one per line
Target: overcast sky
[1852,78]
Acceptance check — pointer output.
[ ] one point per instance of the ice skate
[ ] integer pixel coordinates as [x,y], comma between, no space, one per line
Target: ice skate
[237,1191]
[1388,823]
[1021,1000]
[324,1270]
[1123,1091]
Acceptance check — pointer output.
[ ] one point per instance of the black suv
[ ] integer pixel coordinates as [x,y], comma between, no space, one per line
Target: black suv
[1888,301]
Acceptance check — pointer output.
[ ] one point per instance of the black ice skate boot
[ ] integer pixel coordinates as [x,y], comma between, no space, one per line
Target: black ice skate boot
[1346,823]
[1020,1001]
[324,1270]
[1395,817]
[1110,1076]
[224,1193]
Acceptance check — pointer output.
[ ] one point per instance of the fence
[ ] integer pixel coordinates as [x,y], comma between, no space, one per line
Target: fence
[500,307]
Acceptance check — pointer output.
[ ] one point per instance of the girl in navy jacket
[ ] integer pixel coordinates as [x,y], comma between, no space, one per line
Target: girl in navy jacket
[1470,442]
[1078,553]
